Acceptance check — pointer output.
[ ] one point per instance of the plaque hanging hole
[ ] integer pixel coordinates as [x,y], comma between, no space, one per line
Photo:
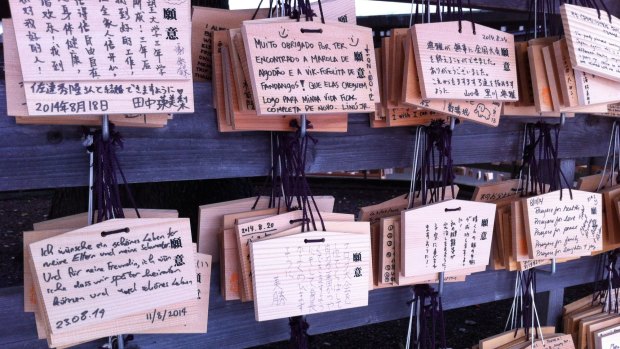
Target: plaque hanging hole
[452,209]
[117,231]
[310,241]
[312,31]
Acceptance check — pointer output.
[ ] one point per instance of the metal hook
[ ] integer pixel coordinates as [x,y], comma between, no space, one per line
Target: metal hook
[553,268]
[562,119]
[303,128]
[452,123]
[441,282]
[105,127]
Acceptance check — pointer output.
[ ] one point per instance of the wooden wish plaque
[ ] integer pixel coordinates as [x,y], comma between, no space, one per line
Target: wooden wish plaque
[206,20]
[113,269]
[593,41]
[466,66]
[484,112]
[563,227]
[558,342]
[310,273]
[446,236]
[310,67]
[104,58]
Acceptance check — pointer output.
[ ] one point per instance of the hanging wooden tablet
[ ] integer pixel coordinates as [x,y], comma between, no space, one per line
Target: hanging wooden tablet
[81,66]
[566,73]
[519,239]
[248,120]
[582,335]
[556,342]
[526,95]
[608,339]
[540,84]
[446,236]
[386,64]
[505,338]
[71,270]
[397,56]
[16,96]
[412,117]
[563,227]
[310,67]
[593,44]
[593,89]
[484,112]
[287,270]
[552,77]
[267,227]
[206,20]
[183,317]
[489,192]
[614,321]
[80,220]
[395,206]
[210,218]
[467,65]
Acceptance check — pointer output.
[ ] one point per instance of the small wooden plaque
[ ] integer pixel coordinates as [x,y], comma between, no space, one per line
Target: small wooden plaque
[465,66]
[310,273]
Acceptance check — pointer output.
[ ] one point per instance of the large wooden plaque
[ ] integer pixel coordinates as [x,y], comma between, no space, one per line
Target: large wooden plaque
[310,67]
[593,43]
[105,58]
[447,236]
[465,66]
[564,227]
[310,273]
[86,278]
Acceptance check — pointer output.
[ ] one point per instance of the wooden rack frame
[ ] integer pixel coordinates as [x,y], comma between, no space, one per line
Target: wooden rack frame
[190,147]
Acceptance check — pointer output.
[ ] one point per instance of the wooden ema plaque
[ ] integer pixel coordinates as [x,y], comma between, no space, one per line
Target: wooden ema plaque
[608,338]
[16,97]
[563,228]
[446,236]
[310,67]
[555,342]
[310,273]
[465,66]
[206,20]
[210,218]
[484,112]
[258,229]
[85,278]
[105,59]
[593,43]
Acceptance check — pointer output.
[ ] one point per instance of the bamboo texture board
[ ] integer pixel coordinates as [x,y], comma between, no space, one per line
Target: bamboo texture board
[567,227]
[446,236]
[288,274]
[311,68]
[466,66]
[593,42]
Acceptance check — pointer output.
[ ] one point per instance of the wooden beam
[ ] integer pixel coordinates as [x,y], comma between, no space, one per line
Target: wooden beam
[232,324]
[191,148]
[512,5]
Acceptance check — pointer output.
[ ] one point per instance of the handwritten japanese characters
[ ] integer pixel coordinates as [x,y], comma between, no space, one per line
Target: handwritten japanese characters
[113,269]
[104,57]
[311,68]
[310,273]
[484,112]
[593,41]
[91,41]
[464,65]
[446,236]
[566,227]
